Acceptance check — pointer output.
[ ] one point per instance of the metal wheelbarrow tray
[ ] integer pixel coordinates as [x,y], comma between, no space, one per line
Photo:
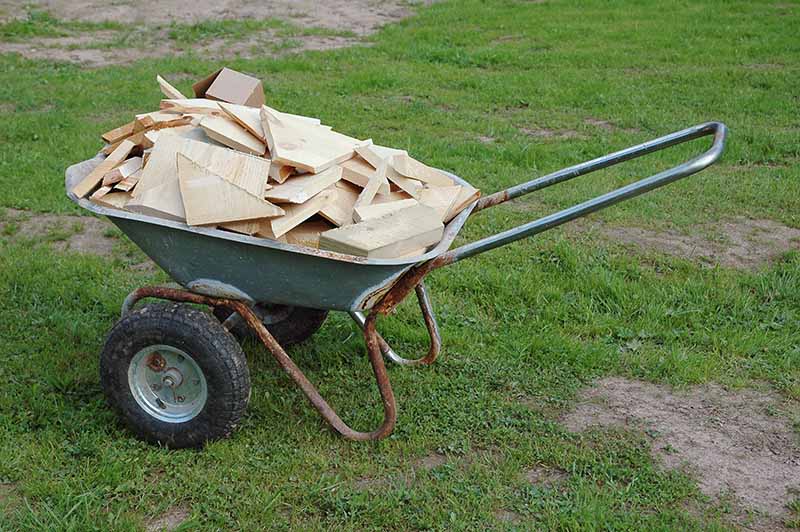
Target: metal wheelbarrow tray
[240,274]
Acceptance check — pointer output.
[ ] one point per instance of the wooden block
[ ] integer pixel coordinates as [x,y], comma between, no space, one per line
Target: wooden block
[118,133]
[162,201]
[199,106]
[440,199]
[395,195]
[127,184]
[302,188]
[411,186]
[367,212]
[168,90]
[140,140]
[129,167]
[414,169]
[297,214]
[307,233]
[233,135]
[389,236]
[247,117]
[280,172]
[210,199]
[112,200]
[231,86]
[245,227]
[339,211]
[310,147]
[95,177]
[358,171]
[368,192]
[374,154]
[245,171]
[265,231]
[465,197]
[159,120]
[100,192]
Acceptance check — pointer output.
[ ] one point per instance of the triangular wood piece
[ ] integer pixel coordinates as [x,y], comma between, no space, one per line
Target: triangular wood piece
[280,172]
[163,201]
[440,199]
[168,90]
[297,214]
[307,233]
[210,199]
[414,169]
[465,197]
[339,211]
[247,117]
[374,154]
[233,135]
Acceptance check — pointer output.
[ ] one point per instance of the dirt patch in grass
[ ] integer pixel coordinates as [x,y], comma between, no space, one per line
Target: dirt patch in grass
[740,243]
[424,463]
[544,133]
[735,443]
[80,234]
[507,516]
[152,17]
[169,520]
[606,125]
[545,477]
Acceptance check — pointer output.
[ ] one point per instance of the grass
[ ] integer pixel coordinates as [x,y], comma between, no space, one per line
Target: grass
[530,323]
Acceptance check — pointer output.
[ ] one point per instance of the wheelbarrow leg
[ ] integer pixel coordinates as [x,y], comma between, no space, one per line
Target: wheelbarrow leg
[430,322]
[370,336]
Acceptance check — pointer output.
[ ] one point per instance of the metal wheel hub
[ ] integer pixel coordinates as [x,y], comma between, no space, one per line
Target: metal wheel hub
[167,383]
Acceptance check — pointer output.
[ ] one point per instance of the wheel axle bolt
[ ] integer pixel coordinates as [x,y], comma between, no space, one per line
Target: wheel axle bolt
[180,398]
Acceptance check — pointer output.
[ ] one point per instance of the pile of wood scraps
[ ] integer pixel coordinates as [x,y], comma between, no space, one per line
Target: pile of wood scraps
[224,159]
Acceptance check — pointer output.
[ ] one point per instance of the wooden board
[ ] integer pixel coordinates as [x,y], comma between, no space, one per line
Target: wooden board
[339,211]
[465,197]
[395,195]
[112,200]
[127,184]
[233,135]
[210,199]
[388,236]
[199,106]
[118,133]
[247,117]
[307,233]
[376,181]
[299,119]
[95,177]
[374,154]
[168,90]
[381,209]
[163,201]
[310,147]
[302,188]
[245,171]
[440,199]
[125,169]
[409,186]
[159,120]
[358,171]
[414,169]
[297,214]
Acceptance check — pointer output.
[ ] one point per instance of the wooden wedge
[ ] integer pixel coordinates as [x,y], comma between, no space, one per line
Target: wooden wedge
[125,169]
[163,201]
[410,167]
[168,90]
[297,214]
[358,171]
[440,199]
[233,135]
[308,233]
[381,209]
[302,188]
[339,211]
[467,195]
[211,199]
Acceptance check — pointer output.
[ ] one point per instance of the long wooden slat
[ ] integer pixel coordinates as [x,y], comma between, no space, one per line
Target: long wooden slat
[358,171]
[381,209]
[125,169]
[297,214]
[118,133]
[376,181]
[233,135]
[410,167]
[95,177]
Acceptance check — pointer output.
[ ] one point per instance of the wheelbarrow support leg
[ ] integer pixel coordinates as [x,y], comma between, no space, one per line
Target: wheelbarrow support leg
[371,337]
[430,322]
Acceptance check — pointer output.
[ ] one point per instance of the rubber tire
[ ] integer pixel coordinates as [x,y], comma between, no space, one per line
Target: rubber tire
[214,349]
[297,327]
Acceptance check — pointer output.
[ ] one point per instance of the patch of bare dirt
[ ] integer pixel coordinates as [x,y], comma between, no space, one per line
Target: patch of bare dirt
[507,516]
[80,234]
[545,477]
[741,243]
[485,139]
[425,463]
[606,125]
[735,443]
[544,133]
[169,520]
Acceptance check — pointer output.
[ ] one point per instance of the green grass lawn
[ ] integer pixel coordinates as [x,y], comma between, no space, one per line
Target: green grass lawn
[457,85]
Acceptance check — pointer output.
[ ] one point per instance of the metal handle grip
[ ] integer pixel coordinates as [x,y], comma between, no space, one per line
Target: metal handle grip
[692,166]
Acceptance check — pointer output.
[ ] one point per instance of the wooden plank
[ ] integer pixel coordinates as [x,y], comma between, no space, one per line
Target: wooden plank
[299,119]
[302,188]
[199,106]
[389,236]
[168,90]
[395,195]
[308,233]
[247,117]
[280,172]
[210,199]
[129,167]
[358,171]
[233,135]
[118,133]
[310,147]
[440,199]
[297,214]
[368,192]
[367,212]
[127,184]
[162,201]
[374,154]
[411,186]
[465,197]
[159,120]
[245,171]
[112,200]
[245,227]
[339,211]
[95,177]
[410,167]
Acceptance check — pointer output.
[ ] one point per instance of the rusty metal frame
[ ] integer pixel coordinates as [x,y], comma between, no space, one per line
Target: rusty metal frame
[376,347]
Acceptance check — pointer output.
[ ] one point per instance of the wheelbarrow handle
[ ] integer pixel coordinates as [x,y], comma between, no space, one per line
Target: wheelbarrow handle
[685,169]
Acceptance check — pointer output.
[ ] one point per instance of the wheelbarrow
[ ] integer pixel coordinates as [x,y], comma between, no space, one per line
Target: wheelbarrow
[177,375]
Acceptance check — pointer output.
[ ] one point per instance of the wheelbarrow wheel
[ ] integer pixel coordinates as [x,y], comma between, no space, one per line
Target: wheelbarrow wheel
[288,325]
[174,375]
